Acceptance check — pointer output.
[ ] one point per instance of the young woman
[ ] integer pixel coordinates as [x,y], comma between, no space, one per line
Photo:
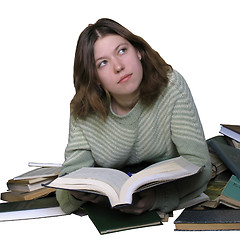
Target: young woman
[131,107]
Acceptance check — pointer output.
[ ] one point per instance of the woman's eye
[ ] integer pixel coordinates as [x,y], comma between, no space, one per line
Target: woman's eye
[123,50]
[103,63]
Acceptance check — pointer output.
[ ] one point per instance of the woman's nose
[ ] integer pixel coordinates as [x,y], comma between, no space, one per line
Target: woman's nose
[118,66]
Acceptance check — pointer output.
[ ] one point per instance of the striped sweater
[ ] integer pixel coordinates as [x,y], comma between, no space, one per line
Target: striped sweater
[169,128]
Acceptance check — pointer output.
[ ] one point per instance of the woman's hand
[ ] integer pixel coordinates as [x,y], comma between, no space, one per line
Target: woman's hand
[88,197]
[143,203]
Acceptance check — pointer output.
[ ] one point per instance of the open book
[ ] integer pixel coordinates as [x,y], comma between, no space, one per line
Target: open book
[119,186]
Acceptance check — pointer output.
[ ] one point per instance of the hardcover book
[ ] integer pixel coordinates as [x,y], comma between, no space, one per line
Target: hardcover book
[208,219]
[119,186]
[230,195]
[228,154]
[37,208]
[108,220]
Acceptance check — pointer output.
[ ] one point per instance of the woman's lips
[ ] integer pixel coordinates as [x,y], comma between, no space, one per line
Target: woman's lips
[125,78]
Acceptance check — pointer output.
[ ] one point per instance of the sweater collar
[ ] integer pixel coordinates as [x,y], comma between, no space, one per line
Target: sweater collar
[131,117]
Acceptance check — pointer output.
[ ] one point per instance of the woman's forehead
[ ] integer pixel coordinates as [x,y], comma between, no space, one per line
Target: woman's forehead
[108,44]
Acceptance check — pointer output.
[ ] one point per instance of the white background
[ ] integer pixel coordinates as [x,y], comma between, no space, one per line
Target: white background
[200,39]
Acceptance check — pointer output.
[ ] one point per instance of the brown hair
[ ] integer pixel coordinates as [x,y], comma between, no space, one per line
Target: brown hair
[90,97]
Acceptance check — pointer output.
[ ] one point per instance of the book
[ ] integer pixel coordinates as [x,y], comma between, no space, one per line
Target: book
[230,195]
[11,196]
[228,154]
[235,144]
[213,191]
[217,165]
[223,218]
[108,220]
[232,142]
[119,186]
[38,208]
[41,172]
[232,131]
[27,185]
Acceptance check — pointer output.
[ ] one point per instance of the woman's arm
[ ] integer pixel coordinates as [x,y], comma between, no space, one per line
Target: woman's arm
[77,155]
[188,137]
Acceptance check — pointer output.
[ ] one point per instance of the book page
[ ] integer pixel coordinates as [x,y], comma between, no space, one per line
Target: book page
[112,177]
[156,174]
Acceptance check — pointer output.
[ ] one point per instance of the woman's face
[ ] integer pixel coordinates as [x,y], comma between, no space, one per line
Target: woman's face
[118,65]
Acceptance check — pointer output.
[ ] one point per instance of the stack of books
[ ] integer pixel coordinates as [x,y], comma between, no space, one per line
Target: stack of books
[222,210]
[27,198]
[29,185]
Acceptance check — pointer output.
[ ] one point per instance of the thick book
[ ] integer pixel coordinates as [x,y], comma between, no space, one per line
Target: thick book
[108,220]
[208,219]
[25,186]
[230,195]
[217,165]
[41,172]
[12,196]
[228,154]
[119,186]
[38,208]
[232,131]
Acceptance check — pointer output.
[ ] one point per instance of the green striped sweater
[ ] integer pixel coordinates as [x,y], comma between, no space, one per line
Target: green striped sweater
[169,128]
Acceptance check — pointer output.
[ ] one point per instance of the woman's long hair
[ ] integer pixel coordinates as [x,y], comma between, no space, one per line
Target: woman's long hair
[90,97]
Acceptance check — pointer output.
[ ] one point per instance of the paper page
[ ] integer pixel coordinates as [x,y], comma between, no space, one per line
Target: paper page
[113,177]
[156,174]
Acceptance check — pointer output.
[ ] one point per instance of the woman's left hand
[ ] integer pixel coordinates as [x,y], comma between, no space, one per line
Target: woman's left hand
[144,202]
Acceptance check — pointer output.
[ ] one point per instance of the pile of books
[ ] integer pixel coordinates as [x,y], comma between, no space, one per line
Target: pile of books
[29,186]
[26,198]
[222,210]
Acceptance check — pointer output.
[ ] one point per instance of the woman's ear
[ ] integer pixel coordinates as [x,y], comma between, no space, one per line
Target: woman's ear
[139,55]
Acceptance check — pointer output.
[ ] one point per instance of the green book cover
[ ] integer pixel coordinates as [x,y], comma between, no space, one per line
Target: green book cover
[28,205]
[108,220]
[32,209]
[231,192]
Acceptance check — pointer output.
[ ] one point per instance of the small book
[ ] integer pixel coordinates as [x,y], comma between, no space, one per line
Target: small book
[230,195]
[37,208]
[208,219]
[11,196]
[232,131]
[24,186]
[119,186]
[108,220]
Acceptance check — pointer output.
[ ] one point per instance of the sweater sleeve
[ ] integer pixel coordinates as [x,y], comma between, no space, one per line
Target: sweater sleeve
[188,137]
[77,155]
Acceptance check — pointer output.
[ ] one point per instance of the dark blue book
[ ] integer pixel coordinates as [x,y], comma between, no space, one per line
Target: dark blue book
[209,219]
[228,154]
